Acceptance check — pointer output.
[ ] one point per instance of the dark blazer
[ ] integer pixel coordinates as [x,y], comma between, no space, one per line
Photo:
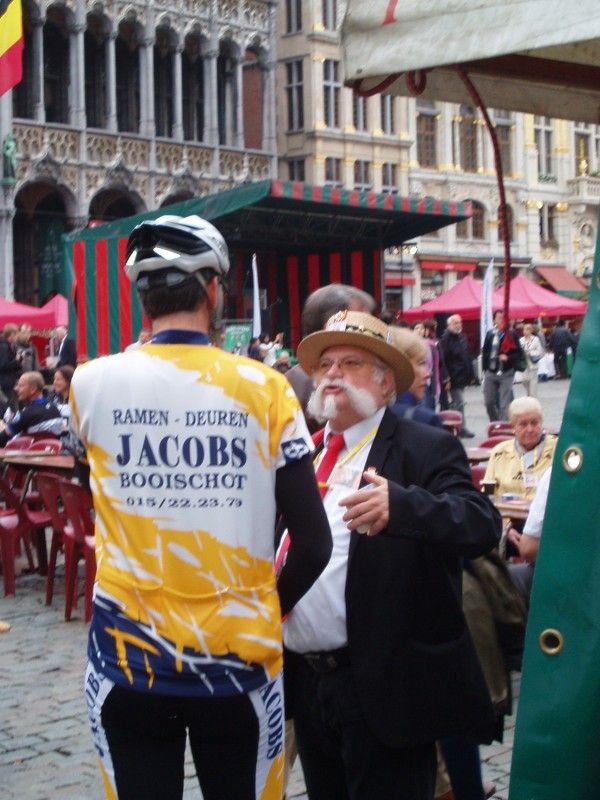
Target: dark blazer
[416,671]
[67,353]
[10,366]
[513,351]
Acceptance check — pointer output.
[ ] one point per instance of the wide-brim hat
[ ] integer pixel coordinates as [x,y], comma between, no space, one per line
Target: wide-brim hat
[356,329]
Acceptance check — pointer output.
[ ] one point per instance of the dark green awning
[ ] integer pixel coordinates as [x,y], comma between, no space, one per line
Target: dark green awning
[284,215]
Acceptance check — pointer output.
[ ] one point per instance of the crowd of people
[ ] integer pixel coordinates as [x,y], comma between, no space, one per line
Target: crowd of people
[34,399]
[293,553]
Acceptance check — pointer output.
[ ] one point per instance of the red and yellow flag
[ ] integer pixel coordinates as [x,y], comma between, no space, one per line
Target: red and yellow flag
[11,44]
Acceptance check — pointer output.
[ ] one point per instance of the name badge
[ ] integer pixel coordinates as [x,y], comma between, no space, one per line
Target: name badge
[530,480]
[346,476]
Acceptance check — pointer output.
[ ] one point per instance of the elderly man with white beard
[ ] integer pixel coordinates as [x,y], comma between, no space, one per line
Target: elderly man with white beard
[379,663]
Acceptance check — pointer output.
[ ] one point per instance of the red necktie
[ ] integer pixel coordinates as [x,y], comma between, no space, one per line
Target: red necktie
[324,470]
[329,460]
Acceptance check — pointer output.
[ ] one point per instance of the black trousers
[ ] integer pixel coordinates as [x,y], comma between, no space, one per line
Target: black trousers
[341,757]
[146,736]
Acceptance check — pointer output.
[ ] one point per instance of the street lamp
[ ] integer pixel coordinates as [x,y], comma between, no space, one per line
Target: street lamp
[438,284]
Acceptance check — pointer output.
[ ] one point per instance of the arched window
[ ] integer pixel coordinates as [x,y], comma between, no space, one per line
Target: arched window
[192,87]
[56,67]
[478,221]
[95,73]
[468,139]
[226,93]
[473,228]
[509,224]
[427,121]
[128,79]
[163,83]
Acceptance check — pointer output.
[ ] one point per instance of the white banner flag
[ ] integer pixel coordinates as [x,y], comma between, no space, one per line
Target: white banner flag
[487,321]
[256,326]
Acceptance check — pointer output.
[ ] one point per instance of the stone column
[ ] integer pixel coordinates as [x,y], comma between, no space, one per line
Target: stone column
[147,122]
[77,71]
[269,137]
[238,100]
[456,122]
[38,70]
[445,133]
[211,122]
[177,132]
[7,205]
[111,81]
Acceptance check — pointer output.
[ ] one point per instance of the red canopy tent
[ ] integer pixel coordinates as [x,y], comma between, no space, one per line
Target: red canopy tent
[537,301]
[18,313]
[59,306]
[466,298]
[463,298]
[527,301]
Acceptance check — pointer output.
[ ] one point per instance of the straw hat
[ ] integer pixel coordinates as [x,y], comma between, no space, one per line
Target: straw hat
[355,329]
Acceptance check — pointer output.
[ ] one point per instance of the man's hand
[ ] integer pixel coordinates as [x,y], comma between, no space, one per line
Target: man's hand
[368,509]
[513,536]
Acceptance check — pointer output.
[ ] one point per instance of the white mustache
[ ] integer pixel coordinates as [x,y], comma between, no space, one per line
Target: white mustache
[323,409]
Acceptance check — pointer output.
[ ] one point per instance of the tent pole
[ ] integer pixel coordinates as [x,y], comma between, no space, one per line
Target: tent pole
[500,178]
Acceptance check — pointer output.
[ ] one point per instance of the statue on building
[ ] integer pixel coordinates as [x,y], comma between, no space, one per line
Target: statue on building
[9,159]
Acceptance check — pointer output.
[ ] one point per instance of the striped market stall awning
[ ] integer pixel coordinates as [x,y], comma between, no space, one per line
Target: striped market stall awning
[304,237]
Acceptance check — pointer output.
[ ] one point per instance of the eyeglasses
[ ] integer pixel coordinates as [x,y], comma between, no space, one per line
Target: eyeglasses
[347,364]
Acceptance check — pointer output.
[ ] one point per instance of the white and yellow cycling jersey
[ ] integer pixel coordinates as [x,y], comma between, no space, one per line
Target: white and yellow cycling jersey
[183,442]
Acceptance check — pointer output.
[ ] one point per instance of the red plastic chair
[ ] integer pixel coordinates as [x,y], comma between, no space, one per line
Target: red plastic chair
[16,528]
[48,485]
[494,440]
[477,473]
[23,442]
[79,545]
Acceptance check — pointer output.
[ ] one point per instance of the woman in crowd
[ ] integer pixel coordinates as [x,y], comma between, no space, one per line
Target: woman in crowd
[62,386]
[516,466]
[532,347]
[408,404]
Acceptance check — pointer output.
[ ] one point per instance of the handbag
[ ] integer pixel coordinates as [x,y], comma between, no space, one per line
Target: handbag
[535,359]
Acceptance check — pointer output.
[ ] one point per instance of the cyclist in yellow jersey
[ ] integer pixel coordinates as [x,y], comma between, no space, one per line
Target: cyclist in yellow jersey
[192,452]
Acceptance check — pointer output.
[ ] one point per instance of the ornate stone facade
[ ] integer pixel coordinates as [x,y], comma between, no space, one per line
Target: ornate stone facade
[128,106]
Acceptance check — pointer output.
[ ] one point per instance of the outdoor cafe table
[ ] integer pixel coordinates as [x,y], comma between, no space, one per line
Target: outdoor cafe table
[478,454]
[514,509]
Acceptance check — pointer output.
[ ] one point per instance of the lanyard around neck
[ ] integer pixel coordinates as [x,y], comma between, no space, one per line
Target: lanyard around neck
[365,440]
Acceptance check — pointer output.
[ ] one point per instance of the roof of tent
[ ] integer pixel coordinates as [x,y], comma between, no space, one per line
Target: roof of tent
[59,306]
[464,298]
[286,215]
[19,313]
[538,301]
[536,56]
[527,300]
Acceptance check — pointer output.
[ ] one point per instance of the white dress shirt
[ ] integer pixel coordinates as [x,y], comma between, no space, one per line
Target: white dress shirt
[318,621]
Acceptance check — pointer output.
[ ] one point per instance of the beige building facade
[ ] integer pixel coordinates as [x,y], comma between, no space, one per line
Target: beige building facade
[327,135]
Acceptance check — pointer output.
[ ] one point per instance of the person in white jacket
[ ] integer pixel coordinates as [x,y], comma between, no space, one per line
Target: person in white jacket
[534,352]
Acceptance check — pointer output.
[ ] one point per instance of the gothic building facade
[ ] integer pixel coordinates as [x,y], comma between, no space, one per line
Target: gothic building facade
[126,107]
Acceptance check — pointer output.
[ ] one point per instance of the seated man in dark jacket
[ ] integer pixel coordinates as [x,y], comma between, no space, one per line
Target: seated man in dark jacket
[37,415]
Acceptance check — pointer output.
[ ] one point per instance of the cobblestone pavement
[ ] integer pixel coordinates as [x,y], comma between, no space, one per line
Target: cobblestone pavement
[45,746]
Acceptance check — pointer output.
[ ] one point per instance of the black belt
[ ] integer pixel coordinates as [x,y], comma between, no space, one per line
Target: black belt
[327,660]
